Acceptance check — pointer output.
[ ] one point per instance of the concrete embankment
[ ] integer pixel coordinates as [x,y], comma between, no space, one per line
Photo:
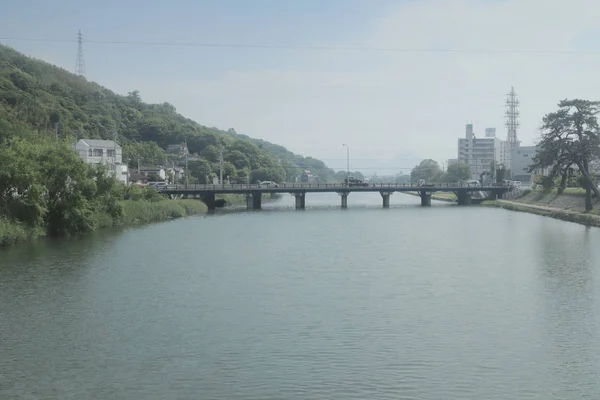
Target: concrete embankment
[441,196]
[569,206]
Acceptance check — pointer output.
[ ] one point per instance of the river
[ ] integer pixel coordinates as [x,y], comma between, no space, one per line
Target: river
[444,302]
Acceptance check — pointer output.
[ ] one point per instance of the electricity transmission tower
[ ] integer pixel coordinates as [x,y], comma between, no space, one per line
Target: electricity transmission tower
[512,118]
[80,64]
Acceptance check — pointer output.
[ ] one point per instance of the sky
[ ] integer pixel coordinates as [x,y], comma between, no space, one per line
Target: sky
[386,85]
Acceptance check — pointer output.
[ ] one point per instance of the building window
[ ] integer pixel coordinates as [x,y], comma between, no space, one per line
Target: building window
[90,153]
[110,152]
[98,152]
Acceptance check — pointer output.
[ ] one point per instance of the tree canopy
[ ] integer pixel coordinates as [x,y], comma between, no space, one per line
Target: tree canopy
[570,137]
[429,170]
[457,172]
[46,185]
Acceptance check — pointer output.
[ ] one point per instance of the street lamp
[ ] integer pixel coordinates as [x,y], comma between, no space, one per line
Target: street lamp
[347,164]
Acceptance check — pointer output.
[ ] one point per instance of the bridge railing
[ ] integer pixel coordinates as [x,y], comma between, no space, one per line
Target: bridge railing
[243,186]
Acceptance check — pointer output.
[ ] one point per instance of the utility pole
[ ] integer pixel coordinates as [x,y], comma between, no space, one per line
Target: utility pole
[187,173]
[56,130]
[80,64]
[115,154]
[347,164]
[221,165]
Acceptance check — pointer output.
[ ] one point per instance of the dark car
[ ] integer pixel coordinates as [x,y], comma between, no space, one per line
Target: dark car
[354,182]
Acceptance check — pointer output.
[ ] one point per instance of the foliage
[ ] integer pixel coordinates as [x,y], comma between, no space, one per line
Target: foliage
[12,232]
[229,171]
[292,163]
[35,95]
[135,192]
[200,170]
[429,170]
[45,184]
[268,174]
[571,137]
[144,153]
[457,172]
[340,176]
[139,212]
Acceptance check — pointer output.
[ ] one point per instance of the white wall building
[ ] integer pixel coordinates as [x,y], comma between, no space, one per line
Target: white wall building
[106,152]
[480,153]
[522,158]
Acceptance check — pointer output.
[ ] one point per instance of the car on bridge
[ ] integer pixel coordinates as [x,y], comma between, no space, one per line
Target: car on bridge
[354,182]
[158,185]
[268,184]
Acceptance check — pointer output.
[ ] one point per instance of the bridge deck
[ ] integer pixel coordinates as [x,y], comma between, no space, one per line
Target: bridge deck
[327,187]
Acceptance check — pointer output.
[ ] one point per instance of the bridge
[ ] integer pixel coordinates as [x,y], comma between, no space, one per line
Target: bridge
[253,192]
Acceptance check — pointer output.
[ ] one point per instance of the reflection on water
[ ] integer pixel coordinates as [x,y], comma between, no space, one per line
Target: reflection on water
[408,302]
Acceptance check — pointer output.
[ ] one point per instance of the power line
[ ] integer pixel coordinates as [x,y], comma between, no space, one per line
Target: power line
[319,48]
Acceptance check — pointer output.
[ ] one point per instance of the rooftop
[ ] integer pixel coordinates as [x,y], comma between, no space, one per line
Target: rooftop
[99,143]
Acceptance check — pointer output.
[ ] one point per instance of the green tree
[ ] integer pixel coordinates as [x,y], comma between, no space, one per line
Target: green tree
[22,194]
[200,169]
[229,170]
[457,172]
[146,153]
[429,170]
[275,174]
[570,136]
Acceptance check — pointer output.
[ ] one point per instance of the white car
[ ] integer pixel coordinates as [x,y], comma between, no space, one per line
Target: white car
[268,184]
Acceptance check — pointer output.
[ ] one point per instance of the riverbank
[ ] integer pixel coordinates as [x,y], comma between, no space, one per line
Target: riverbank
[135,212]
[232,199]
[568,206]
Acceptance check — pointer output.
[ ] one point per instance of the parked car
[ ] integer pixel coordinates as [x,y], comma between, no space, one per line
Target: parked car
[268,184]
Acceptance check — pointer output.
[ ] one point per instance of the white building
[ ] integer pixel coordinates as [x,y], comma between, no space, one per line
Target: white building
[104,152]
[157,172]
[480,153]
[522,158]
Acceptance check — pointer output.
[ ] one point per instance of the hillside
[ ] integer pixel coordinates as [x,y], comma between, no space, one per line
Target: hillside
[35,95]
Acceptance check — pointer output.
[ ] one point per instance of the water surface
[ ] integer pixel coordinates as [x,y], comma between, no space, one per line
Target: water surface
[365,303]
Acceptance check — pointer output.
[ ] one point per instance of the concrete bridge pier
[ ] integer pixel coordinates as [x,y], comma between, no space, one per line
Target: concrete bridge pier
[300,200]
[209,200]
[425,199]
[344,196]
[386,199]
[464,198]
[254,200]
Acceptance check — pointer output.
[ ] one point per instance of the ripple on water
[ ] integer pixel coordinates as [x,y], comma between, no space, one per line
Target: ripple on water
[364,303]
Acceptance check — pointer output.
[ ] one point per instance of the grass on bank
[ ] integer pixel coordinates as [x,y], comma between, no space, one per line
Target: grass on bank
[136,212]
[563,215]
[142,212]
[12,233]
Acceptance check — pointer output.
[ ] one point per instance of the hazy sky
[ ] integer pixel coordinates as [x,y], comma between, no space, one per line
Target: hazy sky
[383,104]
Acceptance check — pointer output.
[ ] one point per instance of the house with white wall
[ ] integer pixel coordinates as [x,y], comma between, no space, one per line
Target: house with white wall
[104,152]
[155,171]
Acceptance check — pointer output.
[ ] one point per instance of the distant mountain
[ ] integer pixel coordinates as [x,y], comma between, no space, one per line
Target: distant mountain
[36,97]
